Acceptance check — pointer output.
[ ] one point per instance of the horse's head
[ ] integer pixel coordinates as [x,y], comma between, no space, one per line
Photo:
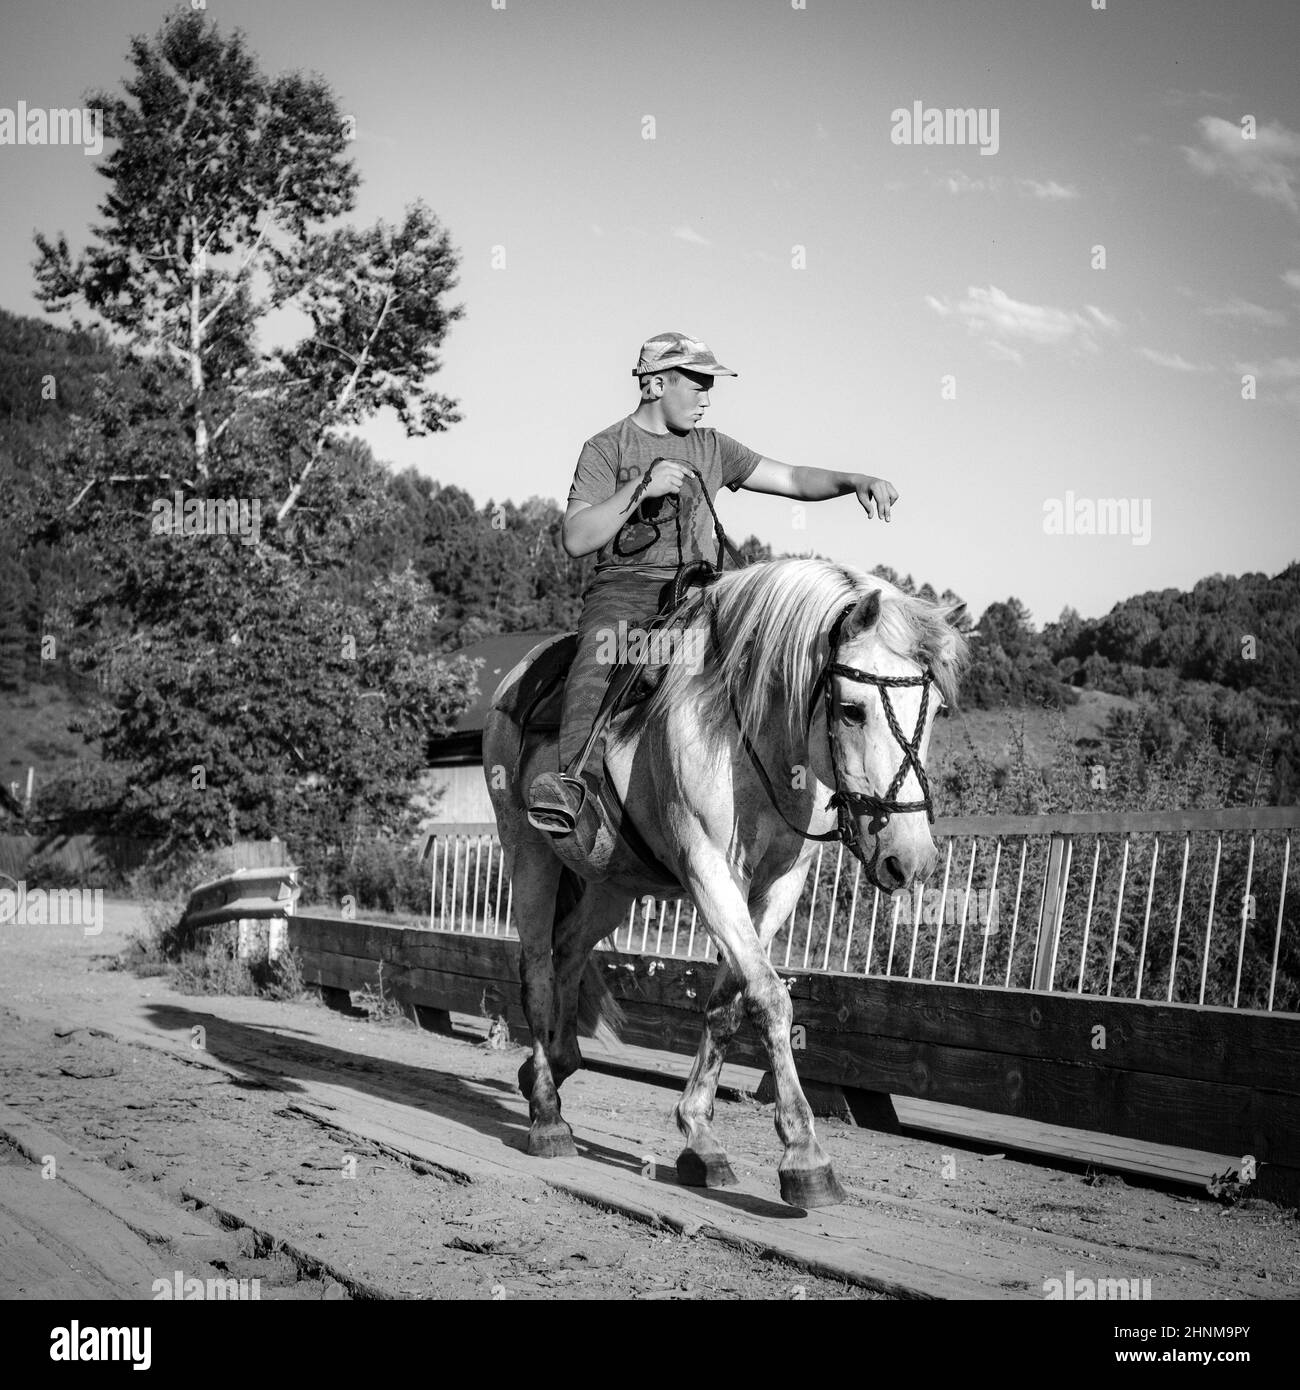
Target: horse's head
[891,668]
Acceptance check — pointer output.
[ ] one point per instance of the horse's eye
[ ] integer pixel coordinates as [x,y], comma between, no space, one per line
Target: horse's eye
[853,714]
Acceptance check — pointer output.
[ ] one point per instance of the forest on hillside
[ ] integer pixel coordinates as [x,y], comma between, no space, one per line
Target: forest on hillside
[1217,665]
[1219,661]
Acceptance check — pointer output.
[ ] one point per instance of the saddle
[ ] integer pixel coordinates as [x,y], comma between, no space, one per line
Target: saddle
[532,695]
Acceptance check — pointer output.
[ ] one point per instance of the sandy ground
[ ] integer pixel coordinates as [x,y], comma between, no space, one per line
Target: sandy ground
[316,1211]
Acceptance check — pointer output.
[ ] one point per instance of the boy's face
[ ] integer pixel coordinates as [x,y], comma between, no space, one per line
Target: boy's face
[685,399]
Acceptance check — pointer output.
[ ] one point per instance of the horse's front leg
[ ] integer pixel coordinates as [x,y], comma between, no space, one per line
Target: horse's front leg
[703,1162]
[807,1179]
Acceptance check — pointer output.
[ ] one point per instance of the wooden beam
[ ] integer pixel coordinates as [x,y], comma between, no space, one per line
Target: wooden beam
[1196,1077]
[1050,910]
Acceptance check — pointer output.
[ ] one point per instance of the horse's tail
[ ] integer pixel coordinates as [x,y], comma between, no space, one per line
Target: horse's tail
[600,1015]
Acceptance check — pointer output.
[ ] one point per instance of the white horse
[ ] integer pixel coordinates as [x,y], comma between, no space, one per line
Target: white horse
[810,718]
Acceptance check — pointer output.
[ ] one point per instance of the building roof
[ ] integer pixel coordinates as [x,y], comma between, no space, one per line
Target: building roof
[499,655]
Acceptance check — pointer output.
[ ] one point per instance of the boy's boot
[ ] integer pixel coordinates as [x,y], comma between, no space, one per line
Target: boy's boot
[554,802]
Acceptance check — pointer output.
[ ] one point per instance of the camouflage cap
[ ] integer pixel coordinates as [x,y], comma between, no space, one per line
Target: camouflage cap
[665,351]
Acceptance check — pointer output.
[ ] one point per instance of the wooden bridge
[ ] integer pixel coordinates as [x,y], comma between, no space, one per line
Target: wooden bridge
[1067,974]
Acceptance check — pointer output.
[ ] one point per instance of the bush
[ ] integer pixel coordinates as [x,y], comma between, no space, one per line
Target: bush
[209,965]
[379,875]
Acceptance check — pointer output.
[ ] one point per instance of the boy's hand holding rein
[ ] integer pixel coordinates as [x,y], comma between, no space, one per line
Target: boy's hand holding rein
[666,477]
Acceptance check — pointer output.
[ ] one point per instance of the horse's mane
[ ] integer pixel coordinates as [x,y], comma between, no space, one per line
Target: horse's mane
[772,622]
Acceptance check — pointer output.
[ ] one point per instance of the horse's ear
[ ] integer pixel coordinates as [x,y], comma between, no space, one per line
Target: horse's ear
[957,616]
[864,616]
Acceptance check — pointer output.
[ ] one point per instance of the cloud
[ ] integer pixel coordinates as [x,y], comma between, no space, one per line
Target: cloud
[1271,369]
[1175,96]
[685,233]
[1106,321]
[1292,278]
[1236,308]
[1005,324]
[1172,360]
[1029,188]
[963,183]
[1246,311]
[1267,166]
[1004,353]
[1051,190]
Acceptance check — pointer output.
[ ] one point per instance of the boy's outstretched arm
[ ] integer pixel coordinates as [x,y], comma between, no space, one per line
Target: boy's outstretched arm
[877,495]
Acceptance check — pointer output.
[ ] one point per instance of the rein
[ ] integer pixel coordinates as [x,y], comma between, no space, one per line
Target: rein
[725,547]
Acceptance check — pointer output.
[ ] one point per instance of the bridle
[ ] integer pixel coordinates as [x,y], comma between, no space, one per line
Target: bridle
[847,802]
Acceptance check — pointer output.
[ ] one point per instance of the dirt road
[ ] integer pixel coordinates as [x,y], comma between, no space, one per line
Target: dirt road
[324,1156]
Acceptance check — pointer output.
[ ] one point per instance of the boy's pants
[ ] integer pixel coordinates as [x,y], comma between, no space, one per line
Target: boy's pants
[627,596]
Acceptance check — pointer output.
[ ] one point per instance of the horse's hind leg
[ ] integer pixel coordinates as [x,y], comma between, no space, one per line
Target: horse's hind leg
[536,881]
[703,1162]
[598,913]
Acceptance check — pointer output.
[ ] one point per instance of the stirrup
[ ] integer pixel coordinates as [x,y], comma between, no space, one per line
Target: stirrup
[555,802]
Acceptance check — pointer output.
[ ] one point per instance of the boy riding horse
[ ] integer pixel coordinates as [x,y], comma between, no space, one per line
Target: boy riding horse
[619,507]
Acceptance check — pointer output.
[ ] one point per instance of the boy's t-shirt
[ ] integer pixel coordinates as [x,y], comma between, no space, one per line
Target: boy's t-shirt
[624,451]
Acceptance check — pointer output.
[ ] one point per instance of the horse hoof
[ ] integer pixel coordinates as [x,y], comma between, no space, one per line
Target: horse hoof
[551,1141]
[527,1074]
[704,1170]
[811,1187]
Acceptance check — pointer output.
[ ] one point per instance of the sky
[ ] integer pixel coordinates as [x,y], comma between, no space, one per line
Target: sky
[937,314]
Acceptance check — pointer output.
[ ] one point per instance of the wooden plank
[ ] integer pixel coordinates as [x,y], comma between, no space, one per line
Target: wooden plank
[1220,1045]
[56,1244]
[1049,913]
[141,1211]
[1167,1162]
[419,988]
[1278,1182]
[487,957]
[1208,1043]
